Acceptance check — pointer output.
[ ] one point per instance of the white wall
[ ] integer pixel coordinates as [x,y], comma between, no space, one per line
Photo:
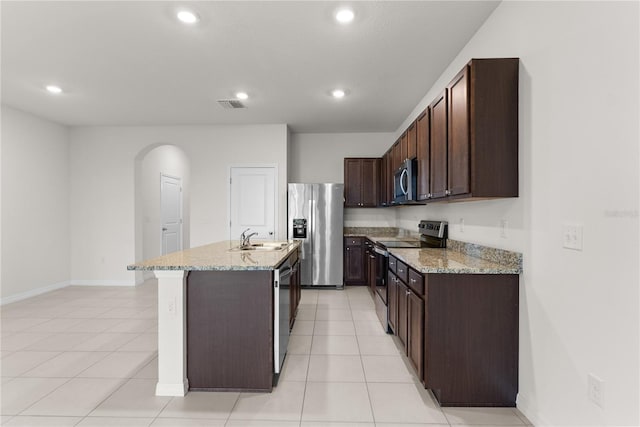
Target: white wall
[579,152]
[318,157]
[103,220]
[35,205]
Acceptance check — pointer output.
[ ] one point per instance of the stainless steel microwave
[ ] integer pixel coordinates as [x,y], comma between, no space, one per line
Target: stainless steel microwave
[405,182]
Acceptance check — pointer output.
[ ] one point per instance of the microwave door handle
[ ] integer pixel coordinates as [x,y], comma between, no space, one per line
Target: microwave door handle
[402,178]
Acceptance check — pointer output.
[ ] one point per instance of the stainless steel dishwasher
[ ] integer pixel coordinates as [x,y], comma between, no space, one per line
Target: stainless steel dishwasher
[281,303]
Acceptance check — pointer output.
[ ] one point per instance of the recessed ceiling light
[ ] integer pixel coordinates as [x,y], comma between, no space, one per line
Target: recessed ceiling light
[187,16]
[242,95]
[338,93]
[54,89]
[344,16]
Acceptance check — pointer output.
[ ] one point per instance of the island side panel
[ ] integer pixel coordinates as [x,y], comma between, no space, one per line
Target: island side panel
[172,371]
[230,330]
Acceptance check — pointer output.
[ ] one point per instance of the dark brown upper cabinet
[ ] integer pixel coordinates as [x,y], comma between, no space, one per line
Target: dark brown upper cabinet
[397,155]
[404,148]
[422,155]
[361,182]
[458,138]
[411,141]
[482,140]
[438,141]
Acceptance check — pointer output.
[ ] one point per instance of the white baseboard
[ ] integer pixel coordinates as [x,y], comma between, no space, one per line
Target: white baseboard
[168,389]
[34,292]
[130,282]
[527,409]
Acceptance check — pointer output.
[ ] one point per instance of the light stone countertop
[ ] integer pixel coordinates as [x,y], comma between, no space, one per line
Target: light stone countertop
[458,258]
[217,256]
[435,260]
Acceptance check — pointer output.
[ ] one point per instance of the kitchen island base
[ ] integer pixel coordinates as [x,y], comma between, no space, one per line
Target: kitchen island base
[230,330]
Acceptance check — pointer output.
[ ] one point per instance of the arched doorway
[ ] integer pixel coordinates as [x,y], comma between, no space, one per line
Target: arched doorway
[154,167]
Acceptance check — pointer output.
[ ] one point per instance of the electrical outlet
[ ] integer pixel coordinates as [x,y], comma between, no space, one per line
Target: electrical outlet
[572,236]
[461,225]
[503,228]
[171,307]
[595,390]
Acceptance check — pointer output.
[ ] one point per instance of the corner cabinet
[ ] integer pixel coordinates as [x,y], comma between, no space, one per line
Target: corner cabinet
[361,182]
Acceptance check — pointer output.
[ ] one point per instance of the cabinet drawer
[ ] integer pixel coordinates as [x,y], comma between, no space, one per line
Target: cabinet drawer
[402,271]
[353,241]
[416,282]
[393,263]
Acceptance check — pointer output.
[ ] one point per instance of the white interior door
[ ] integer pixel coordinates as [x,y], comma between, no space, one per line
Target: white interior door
[252,201]
[171,217]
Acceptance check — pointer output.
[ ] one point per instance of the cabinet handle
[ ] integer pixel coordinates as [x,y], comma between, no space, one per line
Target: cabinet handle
[408,293]
[400,270]
[447,192]
[429,196]
[413,280]
[347,248]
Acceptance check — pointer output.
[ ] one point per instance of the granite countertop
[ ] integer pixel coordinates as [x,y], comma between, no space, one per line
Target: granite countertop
[450,261]
[458,258]
[217,256]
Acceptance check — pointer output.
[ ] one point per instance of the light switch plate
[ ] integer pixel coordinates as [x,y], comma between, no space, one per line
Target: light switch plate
[572,236]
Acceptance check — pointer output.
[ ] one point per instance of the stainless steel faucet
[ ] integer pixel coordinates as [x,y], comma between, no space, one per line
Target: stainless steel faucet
[246,238]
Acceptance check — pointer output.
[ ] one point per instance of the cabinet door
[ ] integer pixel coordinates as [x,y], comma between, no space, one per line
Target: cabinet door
[392,300]
[294,293]
[422,148]
[352,182]
[412,141]
[438,141]
[404,147]
[403,293]
[354,264]
[382,189]
[369,182]
[397,154]
[458,134]
[390,177]
[415,334]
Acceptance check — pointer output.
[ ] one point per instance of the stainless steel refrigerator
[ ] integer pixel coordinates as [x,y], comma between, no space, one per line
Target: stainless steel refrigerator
[315,217]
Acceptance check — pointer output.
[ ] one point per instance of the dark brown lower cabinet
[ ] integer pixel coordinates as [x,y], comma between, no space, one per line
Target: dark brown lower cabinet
[415,332]
[471,339]
[355,265]
[230,330]
[401,321]
[392,301]
[295,293]
[459,331]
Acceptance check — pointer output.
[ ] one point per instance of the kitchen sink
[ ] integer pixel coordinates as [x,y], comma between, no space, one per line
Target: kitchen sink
[260,247]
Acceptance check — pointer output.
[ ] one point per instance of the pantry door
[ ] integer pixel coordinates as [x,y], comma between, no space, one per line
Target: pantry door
[252,201]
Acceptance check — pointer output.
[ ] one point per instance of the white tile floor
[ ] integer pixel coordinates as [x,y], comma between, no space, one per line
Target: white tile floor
[87,356]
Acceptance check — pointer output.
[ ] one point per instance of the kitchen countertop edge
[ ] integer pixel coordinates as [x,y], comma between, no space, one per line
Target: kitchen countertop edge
[217,257]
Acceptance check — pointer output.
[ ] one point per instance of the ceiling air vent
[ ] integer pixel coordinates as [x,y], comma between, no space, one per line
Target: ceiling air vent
[231,103]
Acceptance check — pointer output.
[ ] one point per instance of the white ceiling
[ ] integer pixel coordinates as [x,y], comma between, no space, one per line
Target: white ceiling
[133,63]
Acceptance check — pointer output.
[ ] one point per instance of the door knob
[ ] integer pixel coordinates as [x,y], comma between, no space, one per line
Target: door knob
[164,228]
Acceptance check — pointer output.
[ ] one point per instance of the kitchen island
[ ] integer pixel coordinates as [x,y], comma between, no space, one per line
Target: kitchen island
[216,311]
